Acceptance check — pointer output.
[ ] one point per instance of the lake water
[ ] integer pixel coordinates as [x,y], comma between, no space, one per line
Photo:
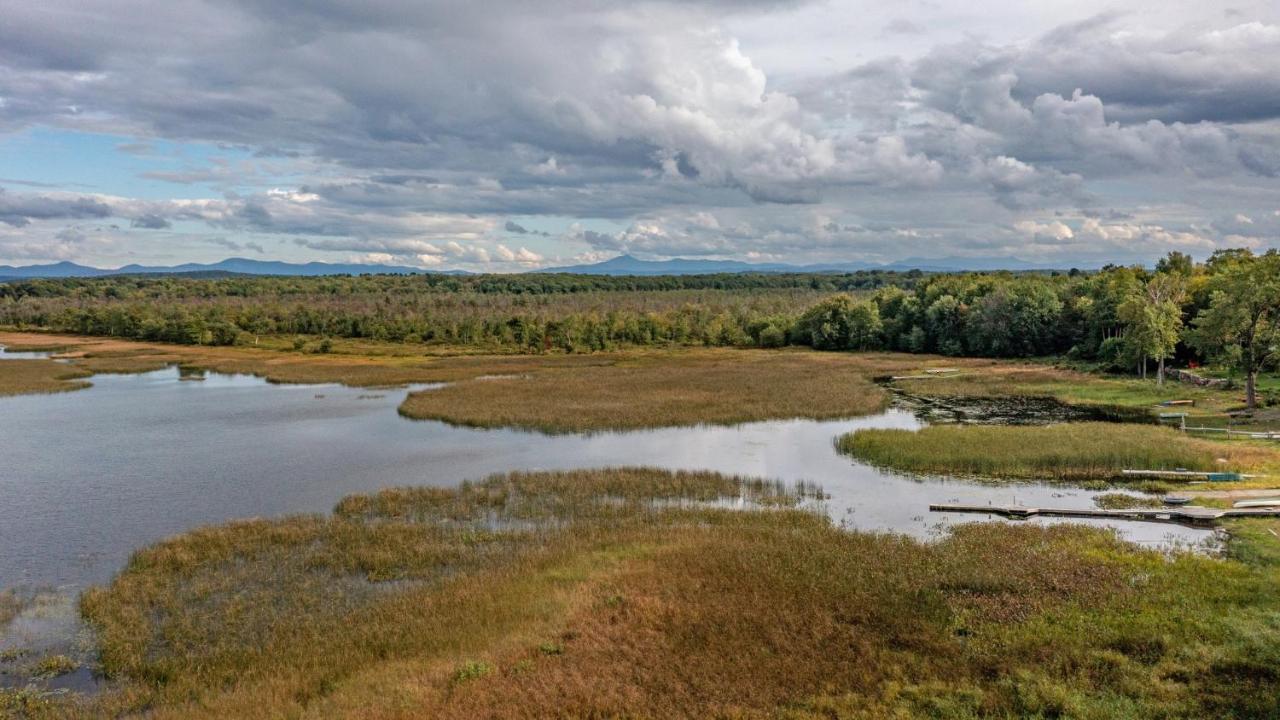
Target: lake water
[86,477]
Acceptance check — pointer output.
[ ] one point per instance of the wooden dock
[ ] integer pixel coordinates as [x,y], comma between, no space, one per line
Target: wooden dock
[1186,514]
[1249,434]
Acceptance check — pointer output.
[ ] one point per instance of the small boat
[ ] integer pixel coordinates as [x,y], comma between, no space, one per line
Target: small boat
[1257,503]
[1175,500]
[1183,473]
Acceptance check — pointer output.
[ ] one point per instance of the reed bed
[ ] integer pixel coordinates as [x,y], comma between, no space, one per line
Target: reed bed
[1067,452]
[34,376]
[660,389]
[10,605]
[1125,501]
[620,593]
[553,392]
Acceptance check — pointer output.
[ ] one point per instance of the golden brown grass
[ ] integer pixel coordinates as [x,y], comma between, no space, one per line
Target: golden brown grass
[10,605]
[608,594]
[22,377]
[1066,452]
[653,389]
[106,355]
[626,389]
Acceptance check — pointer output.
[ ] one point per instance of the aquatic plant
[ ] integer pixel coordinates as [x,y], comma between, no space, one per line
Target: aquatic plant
[1067,452]
[622,593]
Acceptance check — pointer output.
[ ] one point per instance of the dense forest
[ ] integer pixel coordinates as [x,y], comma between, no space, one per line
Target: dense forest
[1226,309]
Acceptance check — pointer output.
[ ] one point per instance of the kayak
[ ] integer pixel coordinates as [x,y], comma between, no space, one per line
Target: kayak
[1258,503]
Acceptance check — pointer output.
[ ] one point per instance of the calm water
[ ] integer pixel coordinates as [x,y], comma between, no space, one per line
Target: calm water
[86,477]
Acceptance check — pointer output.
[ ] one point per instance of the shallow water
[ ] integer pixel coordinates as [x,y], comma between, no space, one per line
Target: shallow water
[88,476]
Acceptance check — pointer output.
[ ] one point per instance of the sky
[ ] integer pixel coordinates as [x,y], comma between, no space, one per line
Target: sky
[507,135]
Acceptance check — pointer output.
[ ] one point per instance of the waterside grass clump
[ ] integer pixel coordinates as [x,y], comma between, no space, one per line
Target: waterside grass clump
[1069,452]
[33,376]
[633,593]
[1125,501]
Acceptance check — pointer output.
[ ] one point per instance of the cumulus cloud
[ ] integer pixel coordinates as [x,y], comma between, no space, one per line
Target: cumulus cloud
[650,118]
[19,209]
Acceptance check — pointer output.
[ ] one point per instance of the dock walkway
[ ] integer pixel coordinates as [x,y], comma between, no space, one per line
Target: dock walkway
[1187,514]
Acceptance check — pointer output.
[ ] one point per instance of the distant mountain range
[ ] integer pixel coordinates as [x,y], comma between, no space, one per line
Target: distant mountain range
[621,265]
[628,265]
[235,266]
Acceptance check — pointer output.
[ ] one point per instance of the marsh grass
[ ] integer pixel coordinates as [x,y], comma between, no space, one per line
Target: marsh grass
[1073,452]
[11,604]
[22,377]
[624,594]
[1128,398]
[660,389]
[1124,501]
[553,392]
[52,666]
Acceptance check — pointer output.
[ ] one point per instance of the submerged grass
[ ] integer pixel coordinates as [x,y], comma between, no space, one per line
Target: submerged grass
[1067,452]
[619,593]
[11,604]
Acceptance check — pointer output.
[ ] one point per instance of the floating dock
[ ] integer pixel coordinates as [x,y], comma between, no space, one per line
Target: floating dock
[1187,515]
[1207,475]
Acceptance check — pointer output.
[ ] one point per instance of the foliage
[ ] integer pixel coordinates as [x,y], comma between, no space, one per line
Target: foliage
[840,323]
[1116,316]
[1153,317]
[1241,326]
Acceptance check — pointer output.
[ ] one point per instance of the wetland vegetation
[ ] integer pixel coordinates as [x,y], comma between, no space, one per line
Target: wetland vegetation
[621,592]
[1121,317]
[1068,452]
[625,593]
[36,375]
[659,389]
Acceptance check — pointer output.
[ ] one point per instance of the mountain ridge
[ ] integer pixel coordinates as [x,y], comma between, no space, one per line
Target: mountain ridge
[620,265]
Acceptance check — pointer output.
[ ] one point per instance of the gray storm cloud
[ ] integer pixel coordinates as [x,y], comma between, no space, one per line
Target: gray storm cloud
[414,124]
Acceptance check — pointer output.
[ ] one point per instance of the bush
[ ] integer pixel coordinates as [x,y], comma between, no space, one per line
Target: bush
[840,323]
[773,337]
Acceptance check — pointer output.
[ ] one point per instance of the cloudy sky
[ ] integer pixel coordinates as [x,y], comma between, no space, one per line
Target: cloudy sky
[507,135]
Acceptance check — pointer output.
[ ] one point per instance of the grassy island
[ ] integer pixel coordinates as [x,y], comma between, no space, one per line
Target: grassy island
[1070,452]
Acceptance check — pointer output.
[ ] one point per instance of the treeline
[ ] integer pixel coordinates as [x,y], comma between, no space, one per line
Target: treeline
[1225,309]
[139,287]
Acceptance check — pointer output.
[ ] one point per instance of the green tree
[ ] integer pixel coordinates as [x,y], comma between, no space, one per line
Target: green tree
[1014,320]
[1153,320]
[840,323]
[1176,263]
[1241,326]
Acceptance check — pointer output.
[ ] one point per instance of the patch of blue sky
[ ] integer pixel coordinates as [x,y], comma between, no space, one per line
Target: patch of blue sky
[75,161]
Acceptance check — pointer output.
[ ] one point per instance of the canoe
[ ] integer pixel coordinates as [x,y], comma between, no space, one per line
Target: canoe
[1257,502]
